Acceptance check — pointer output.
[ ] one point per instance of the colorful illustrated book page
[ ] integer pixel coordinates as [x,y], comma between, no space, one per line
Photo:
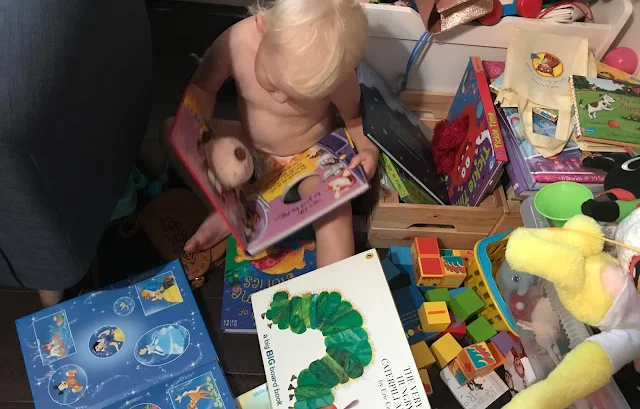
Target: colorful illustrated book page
[257,398]
[399,133]
[140,343]
[480,160]
[289,197]
[246,274]
[332,338]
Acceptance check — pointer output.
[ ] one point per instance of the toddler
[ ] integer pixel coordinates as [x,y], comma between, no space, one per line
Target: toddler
[293,63]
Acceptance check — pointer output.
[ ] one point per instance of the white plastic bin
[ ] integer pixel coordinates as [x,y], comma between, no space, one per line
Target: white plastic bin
[394,30]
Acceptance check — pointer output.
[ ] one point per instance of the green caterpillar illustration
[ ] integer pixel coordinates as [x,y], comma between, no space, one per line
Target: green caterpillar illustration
[348,351]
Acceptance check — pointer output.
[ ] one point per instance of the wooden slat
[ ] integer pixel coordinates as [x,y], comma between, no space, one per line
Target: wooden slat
[380,237]
[422,102]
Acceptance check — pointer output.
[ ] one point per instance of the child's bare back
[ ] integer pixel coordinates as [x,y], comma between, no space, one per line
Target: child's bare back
[292,71]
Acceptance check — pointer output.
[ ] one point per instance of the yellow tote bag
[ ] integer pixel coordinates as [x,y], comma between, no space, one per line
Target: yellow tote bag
[537,72]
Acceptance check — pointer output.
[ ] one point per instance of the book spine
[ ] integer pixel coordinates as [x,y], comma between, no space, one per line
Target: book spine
[517,168]
[487,103]
[577,130]
[393,175]
[568,177]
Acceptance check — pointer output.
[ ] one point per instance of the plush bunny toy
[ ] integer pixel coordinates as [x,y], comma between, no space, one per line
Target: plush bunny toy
[229,162]
[594,288]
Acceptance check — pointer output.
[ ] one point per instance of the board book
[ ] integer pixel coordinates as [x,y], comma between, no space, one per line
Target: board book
[246,274]
[333,339]
[480,160]
[257,398]
[139,344]
[265,212]
[399,133]
[606,111]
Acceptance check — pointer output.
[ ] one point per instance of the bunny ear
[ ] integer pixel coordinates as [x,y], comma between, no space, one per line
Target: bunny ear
[542,253]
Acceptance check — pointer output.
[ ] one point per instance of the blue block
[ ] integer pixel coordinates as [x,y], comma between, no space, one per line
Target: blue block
[455,291]
[401,257]
[391,272]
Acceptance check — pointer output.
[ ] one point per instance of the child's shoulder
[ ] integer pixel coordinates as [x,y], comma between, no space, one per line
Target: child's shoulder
[243,29]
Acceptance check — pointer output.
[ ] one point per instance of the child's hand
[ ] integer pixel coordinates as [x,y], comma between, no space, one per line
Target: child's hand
[368,158]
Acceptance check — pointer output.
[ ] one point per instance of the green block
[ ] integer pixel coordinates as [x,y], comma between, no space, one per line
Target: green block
[480,330]
[438,294]
[465,304]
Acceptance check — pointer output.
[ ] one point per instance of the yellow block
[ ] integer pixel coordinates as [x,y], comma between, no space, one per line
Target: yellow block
[422,355]
[426,381]
[445,350]
[434,316]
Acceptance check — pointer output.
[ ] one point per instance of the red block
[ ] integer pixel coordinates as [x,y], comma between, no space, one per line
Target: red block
[425,247]
[457,329]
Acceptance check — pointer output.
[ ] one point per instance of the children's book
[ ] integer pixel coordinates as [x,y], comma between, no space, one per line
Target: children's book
[606,111]
[139,344]
[407,188]
[480,160]
[257,398]
[479,393]
[265,212]
[333,339]
[529,171]
[399,133]
[246,274]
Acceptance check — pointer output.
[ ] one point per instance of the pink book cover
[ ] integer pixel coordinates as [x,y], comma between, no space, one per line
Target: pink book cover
[263,213]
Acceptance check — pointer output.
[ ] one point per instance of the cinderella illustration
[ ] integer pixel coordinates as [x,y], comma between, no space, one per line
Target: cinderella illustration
[162,345]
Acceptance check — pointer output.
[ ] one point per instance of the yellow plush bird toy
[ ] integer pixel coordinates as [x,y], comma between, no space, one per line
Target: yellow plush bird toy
[593,287]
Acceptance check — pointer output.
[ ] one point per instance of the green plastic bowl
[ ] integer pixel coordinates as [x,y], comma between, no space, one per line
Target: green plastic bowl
[561,201]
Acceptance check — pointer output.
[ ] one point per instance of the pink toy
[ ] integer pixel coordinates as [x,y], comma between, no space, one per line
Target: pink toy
[622,58]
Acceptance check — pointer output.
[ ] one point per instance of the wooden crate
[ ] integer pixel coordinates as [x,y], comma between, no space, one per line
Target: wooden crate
[459,227]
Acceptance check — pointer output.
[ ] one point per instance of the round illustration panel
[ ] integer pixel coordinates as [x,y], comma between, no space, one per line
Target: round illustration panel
[67,384]
[106,341]
[124,306]
[162,344]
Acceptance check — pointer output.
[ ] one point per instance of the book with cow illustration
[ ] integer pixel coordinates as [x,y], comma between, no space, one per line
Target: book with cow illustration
[286,197]
[606,111]
[138,344]
[329,342]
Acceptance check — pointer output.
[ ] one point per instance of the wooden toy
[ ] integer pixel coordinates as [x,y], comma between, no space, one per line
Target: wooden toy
[457,329]
[497,354]
[480,330]
[391,272]
[455,291]
[401,257]
[422,355]
[434,316]
[465,304]
[472,362]
[416,335]
[428,272]
[425,247]
[454,272]
[445,350]
[426,382]
[504,342]
[438,294]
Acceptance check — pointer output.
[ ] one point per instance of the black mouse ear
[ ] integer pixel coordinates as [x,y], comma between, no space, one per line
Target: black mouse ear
[604,163]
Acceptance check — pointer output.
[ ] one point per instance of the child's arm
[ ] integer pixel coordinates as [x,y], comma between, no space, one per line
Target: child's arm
[346,98]
[213,71]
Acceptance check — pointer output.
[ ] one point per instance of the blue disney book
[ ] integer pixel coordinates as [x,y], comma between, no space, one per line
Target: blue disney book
[139,344]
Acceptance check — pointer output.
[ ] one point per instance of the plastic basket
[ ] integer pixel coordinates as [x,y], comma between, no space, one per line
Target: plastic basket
[489,255]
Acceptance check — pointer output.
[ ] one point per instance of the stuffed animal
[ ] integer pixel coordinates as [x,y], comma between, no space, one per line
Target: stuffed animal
[628,232]
[622,188]
[593,287]
[228,160]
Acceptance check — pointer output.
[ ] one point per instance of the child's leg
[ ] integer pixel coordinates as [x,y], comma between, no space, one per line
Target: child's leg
[334,236]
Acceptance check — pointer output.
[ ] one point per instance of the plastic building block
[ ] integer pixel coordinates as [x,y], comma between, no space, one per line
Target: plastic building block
[474,361]
[425,247]
[446,252]
[426,382]
[434,316]
[422,355]
[428,271]
[454,272]
[455,291]
[407,301]
[457,329]
[504,342]
[391,272]
[465,304]
[437,294]
[445,350]
[480,330]
[497,354]
[401,257]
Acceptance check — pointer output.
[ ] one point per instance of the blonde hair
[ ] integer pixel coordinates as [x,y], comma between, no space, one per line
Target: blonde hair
[325,37]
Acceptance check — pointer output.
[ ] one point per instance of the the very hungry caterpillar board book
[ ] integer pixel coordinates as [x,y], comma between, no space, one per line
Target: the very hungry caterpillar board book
[332,339]
[246,274]
[267,211]
[138,344]
[606,111]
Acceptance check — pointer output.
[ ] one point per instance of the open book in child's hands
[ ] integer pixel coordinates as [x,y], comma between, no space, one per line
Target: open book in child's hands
[263,213]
